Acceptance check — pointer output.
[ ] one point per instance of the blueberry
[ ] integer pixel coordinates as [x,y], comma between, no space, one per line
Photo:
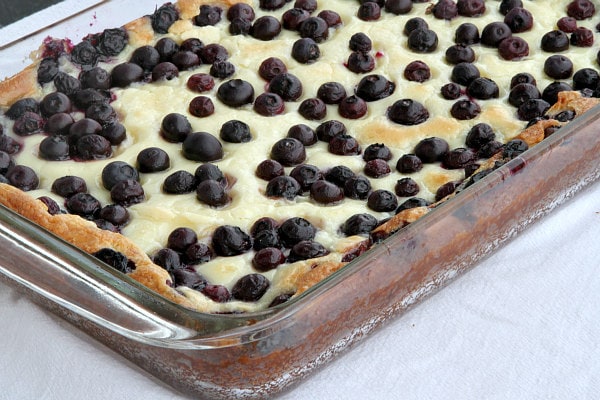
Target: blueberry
[283,186]
[83,204]
[22,177]
[294,230]
[230,240]
[175,127]
[382,200]
[359,224]
[69,185]
[117,171]
[179,182]
[212,193]
[202,146]
[236,93]
[305,250]
[127,192]
[250,287]
[115,259]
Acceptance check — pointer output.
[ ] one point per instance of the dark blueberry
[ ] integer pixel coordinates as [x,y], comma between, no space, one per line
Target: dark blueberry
[146,57]
[292,18]
[239,26]
[304,133]
[271,4]
[235,131]
[306,175]
[446,189]
[95,78]
[268,258]
[115,133]
[325,192]
[185,60]
[288,152]
[357,187]
[581,9]
[200,82]
[586,78]
[466,34]
[423,41]
[490,148]
[413,202]
[332,18]
[22,177]
[507,5]
[331,92]
[417,71]
[192,44]
[519,20]
[152,159]
[359,224]
[513,48]
[459,53]
[115,214]
[28,124]
[464,73]
[125,74]
[165,71]
[313,109]
[197,253]
[374,87]
[201,107]
[213,52]
[54,148]
[352,107]
[377,151]
[360,42]
[51,205]
[83,204]
[445,9]
[314,28]
[209,15]
[495,32]
[217,293]
[344,145]
[382,200]
[202,146]
[84,54]
[236,93]
[127,192]
[409,163]
[69,185]
[164,17]
[265,28]
[166,47]
[330,129]
[283,186]
[250,288]
[465,110]
[413,24]
[305,51]
[175,127]
[222,69]
[93,147]
[582,37]
[262,224]
[550,92]
[308,5]
[470,8]
[287,86]
[115,259]
[407,112]
[479,135]
[111,42]
[555,41]
[210,172]
[117,171]
[67,84]
[271,67]
[179,182]
[295,230]
[514,147]
[21,106]
[6,162]
[377,168]
[168,259]
[532,108]
[522,92]
[567,24]
[305,250]
[188,277]
[483,89]
[459,158]
[54,103]
[230,240]
[369,11]
[102,113]
[47,70]
[9,145]
[522,77]
[269,104]
[451,91]
[86,97]
[398,7]
[240,10]
[565,116]
[266,238]
[212,193]
[269,169]
[406,187]
[558,67]
[431,149]
[339,175]
[360,63]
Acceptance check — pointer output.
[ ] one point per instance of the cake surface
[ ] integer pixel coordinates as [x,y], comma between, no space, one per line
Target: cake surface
[412,76]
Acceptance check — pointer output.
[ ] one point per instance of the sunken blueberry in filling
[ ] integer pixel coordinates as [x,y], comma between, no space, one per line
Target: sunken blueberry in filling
[240,147]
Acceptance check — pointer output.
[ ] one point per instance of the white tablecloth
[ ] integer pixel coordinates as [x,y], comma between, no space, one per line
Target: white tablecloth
[521,324]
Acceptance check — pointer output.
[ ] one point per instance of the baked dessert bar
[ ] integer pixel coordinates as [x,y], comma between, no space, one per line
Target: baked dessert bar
[230,155]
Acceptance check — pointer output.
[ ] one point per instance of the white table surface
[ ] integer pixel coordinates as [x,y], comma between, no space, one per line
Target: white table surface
[523,324]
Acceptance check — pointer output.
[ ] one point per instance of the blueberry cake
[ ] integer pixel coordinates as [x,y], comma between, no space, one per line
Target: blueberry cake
[231,154]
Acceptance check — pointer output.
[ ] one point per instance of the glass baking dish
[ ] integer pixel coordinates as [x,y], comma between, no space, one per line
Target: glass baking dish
[259,354]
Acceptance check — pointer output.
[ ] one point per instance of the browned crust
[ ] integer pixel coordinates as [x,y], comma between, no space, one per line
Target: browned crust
[399,220]
[18,86]
[316,274]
